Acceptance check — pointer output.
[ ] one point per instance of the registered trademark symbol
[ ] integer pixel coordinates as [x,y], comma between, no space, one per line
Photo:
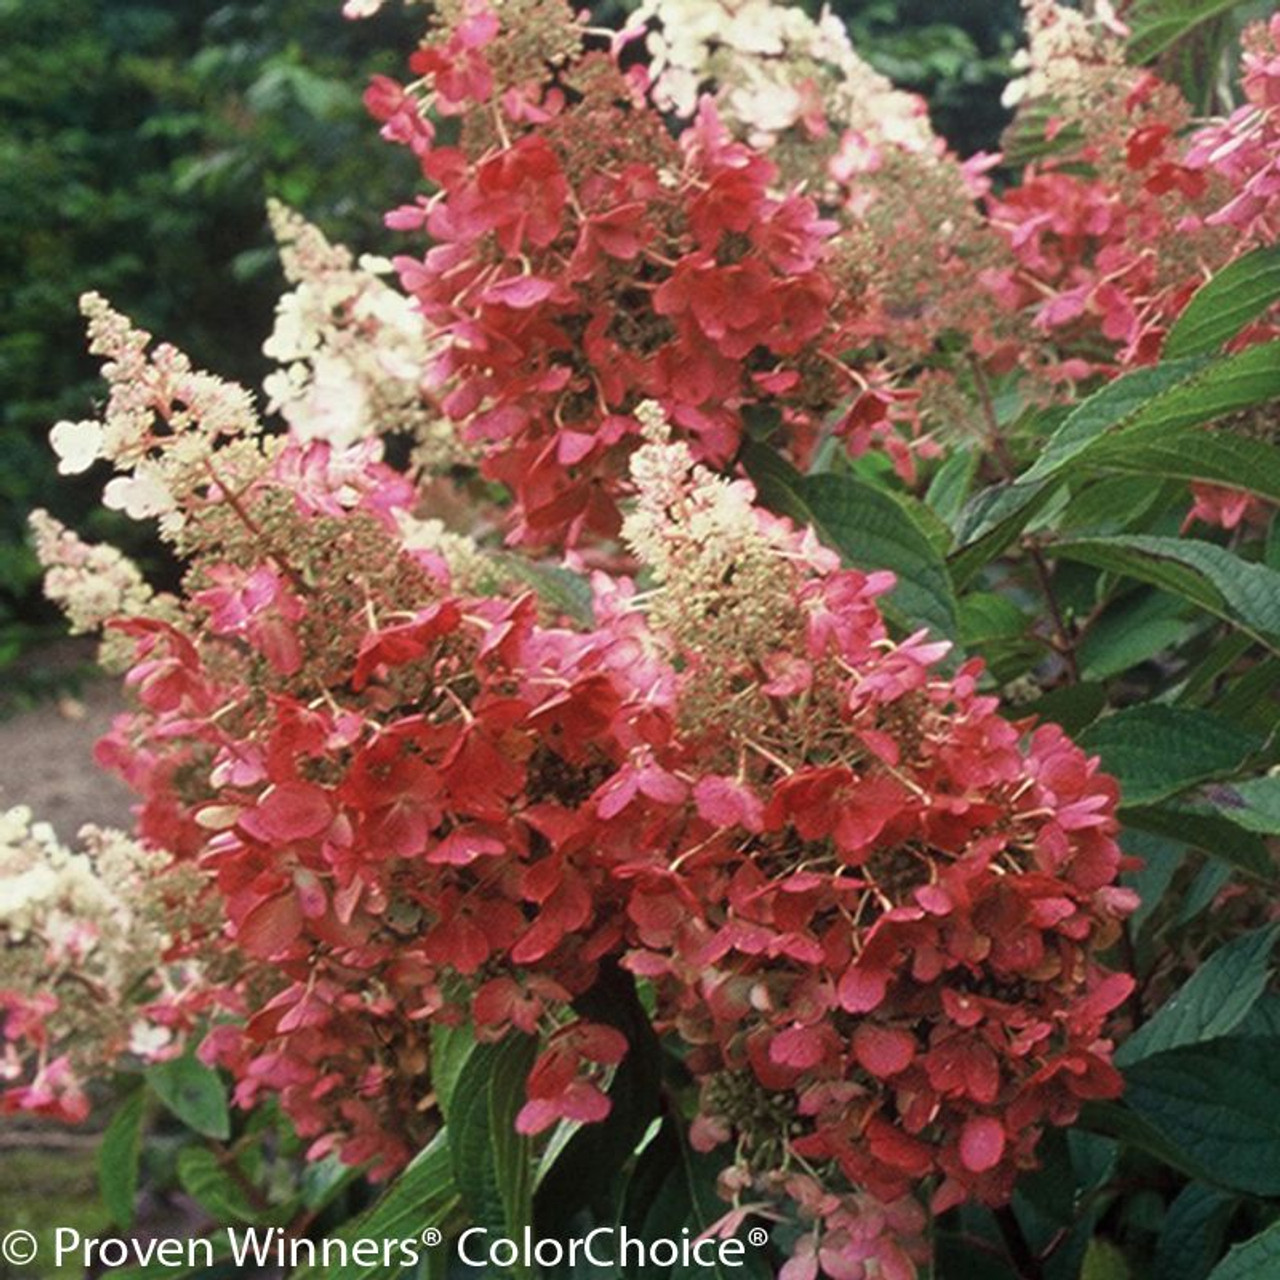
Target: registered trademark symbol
[432,1236]
[758,1236]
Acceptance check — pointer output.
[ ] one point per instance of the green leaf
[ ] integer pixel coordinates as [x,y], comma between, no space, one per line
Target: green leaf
[1253,805]
[1124,403]
[1249,698]
[565,591]
[1114,504]
[1132,631]
[1212,1003]
[1127,1127]
[1073,706]
[1263,1020]
[424,1195]
[1155,751]
[118,1159]
[1238,591]
[1160,858]
[492,1163]
[1197,453]
[1157,25]
[451,1048]
[194,1093]
[1222,840]
[1104,1261]
[210,1184]
[674,1191]
[1191,1236]
[1139,409]
[990,524]
[872,529]
[1256,1259]
[1225,385]
[992,626]
[950,486]
[1219,1103]
[1221,307]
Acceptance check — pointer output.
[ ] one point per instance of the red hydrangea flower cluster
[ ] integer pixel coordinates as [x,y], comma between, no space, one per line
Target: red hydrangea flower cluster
[877,928]
[395,792]
[1113,234]
[869,908]
[582,260]
[1244,149]
[868,905]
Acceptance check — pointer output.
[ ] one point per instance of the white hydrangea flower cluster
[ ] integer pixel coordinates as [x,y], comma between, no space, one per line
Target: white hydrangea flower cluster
[80,906]
[365,8]
[726,570]
[351,348]
[89,583]
[93,584]
[776,68]
[162,421]
[686,515]
[83,943]
[1061,43]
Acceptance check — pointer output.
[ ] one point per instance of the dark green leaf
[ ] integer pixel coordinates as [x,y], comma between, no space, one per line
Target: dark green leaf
[1191,1237]
[492,1163]
[1238,591]
[210,1184]
[674,1190]
[194,1093]
[1112,1120]
[1220,839]
[1073,706]
[1256,1259]
[423,1196]
[1262,1022]
[1212,1002]
[872,529]
[1156,25]
[1155,751]
[583,1170]
[1219,1103]
[118,1159]
[1196,453]
[1239,293]
[1161,857]
[1130,632]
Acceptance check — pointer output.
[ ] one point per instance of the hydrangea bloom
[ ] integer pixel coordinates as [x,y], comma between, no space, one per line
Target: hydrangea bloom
[85,941]
[869,908]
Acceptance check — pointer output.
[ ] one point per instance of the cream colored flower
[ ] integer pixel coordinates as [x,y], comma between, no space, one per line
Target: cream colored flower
[77,444]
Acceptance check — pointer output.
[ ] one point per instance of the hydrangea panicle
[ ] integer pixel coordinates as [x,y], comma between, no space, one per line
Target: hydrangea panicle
[88,968]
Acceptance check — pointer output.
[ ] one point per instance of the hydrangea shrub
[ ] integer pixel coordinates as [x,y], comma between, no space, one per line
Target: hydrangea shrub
[710,634]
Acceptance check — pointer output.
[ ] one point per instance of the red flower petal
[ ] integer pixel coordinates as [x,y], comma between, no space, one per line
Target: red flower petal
[981,1144]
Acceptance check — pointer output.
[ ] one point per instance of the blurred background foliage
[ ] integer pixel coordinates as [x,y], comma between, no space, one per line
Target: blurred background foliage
[139,142]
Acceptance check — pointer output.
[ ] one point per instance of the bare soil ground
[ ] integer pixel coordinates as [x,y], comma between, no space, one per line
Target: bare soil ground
[46,760]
